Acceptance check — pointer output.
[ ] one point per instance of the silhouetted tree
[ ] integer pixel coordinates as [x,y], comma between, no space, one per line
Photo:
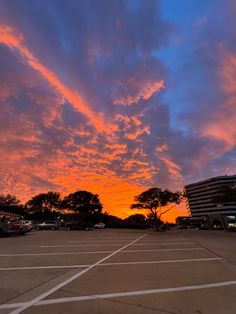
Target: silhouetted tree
[158,202]
[152,220]
[136,219]
[83,201]
[8,200]
[111,220]
[44,202]
[10,203]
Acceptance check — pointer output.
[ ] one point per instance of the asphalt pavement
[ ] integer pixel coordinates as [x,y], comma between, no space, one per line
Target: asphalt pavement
[119,271]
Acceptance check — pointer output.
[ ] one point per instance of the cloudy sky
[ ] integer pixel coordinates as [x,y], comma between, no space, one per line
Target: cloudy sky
[116,96]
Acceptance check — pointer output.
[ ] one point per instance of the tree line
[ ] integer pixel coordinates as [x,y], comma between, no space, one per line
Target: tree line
[50,205]
[154,202]
[85,205]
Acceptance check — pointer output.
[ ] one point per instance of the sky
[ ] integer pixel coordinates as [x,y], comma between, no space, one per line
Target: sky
[116,96]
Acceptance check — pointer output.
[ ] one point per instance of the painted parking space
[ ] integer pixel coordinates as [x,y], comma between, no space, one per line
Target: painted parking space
[51,259]
[160,254]
[16,283]
[107,279]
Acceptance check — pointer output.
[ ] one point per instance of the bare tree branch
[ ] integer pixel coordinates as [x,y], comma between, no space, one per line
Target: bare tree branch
[166,210]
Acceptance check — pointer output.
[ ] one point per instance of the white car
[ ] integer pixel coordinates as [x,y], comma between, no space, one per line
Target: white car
[100,225]
[29,224]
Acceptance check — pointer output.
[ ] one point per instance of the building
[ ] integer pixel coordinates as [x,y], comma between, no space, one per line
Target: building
[199,201]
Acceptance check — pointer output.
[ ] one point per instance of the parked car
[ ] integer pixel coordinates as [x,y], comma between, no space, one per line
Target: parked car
[47,225]
[17,227]
[5,231]
[12,227]
[77,225]
[231,229]
[28,224]
[218,227]
[99,225]
[182,227]
[192,227]
[205,227]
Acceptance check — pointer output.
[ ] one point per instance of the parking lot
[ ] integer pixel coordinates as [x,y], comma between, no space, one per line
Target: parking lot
[118,271]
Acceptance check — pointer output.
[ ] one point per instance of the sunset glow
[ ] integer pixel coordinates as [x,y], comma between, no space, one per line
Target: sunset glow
[115,97]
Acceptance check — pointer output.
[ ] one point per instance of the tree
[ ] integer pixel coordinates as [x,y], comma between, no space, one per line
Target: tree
[158,202]
[44,202]
[136,219]
[10,203]
[83,201]
[8,200]
[111,220]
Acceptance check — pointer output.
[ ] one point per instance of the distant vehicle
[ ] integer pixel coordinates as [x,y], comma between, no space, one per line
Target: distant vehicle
[99,225]
[218,227]
[182,227]
[77,225]
[192,227]
[231,229]
[205,227]
[48,225]
[28,224]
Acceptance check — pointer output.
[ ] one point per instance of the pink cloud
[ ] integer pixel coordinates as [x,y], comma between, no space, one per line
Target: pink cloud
[138,132]
[162,148]
[145,90]
[222,125]
[173,168]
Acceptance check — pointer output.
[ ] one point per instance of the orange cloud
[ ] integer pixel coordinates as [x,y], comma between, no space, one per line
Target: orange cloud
[173,168]
[145,91]
[134,135]
[13,40]
[162,148]
[129,164]
[116,193]
[134,120]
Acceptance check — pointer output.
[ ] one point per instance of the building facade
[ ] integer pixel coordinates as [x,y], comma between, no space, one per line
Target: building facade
[200,204]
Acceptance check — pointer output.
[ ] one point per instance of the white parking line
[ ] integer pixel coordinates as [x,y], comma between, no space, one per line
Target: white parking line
[119,294]
[120,240]
[165,250]
[98,252]
[51,254]
[106,238]
[112,264]
[165,243]
[70,279]
[136,293]
[78,245]
[95,242]
[165,239]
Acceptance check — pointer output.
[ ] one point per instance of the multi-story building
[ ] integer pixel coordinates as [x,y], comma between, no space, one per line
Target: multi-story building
[200,204]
